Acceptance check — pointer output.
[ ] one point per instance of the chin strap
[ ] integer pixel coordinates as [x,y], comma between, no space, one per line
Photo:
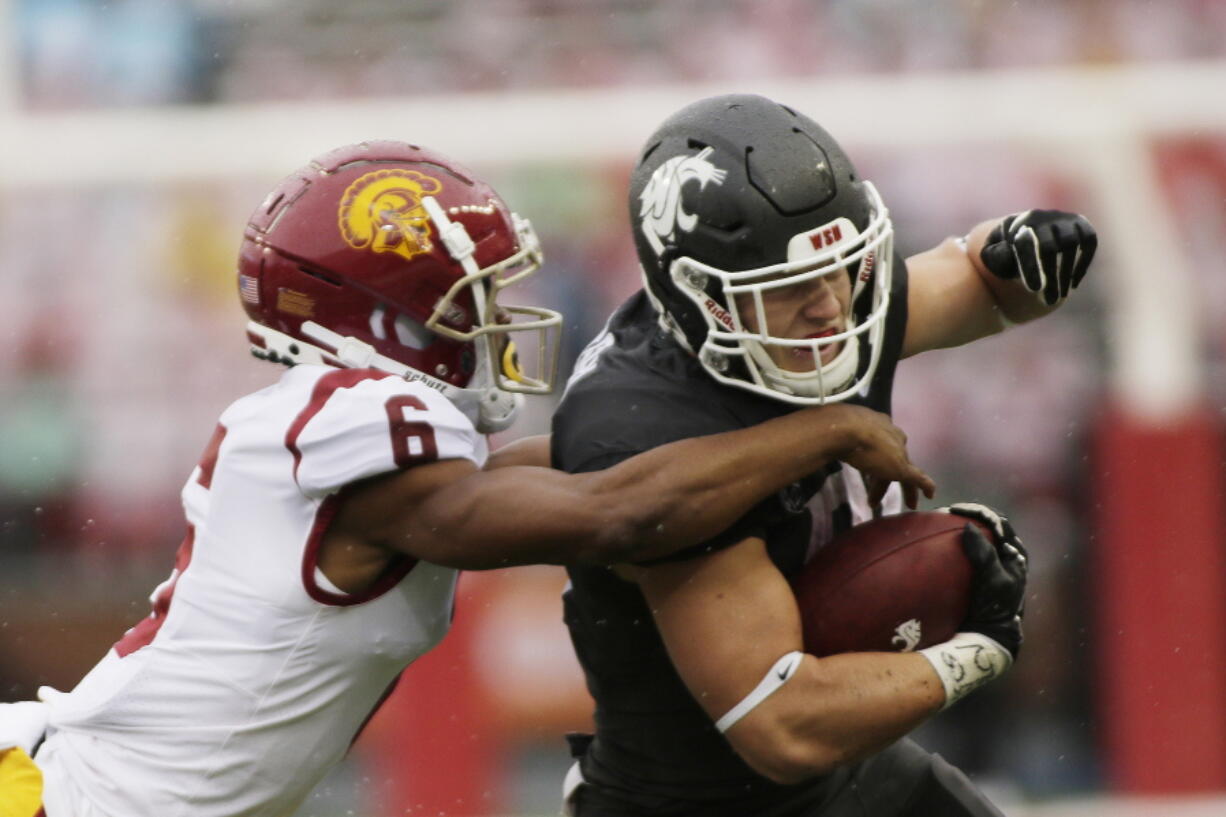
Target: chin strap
[498,408]
[833,377]
[489,408]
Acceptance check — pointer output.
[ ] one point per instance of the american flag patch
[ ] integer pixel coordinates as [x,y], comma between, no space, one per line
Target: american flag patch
[249,289]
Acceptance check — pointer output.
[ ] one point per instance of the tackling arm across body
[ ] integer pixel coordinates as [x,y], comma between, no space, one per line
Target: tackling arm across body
[454,514]
[532,451]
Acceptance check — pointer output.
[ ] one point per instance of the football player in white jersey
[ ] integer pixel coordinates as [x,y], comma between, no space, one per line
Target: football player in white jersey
[331,510]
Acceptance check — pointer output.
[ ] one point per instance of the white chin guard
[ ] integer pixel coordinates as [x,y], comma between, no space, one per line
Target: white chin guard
[831,378]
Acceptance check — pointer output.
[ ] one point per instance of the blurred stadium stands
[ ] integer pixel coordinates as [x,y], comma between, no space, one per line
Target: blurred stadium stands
[79,53]
[122,337]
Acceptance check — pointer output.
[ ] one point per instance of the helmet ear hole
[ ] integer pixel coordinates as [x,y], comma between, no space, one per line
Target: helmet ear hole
[321,276]
[412,334]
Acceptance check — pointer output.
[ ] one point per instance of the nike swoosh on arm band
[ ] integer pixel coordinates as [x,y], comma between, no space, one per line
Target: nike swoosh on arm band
[777,676]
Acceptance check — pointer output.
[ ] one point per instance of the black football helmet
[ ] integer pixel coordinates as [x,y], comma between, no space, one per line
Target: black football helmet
[737,195]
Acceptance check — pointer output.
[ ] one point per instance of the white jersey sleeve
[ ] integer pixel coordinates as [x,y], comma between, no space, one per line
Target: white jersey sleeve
[360,423]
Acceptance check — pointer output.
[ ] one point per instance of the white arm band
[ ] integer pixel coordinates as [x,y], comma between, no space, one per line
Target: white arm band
[966,662]
[779,674]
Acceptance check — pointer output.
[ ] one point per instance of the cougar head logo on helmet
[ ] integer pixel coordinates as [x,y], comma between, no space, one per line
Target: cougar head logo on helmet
[763,251]
[387,255]
[661,211]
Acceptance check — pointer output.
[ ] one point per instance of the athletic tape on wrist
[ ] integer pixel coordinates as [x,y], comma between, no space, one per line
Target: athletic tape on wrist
[966,662]
[779,674]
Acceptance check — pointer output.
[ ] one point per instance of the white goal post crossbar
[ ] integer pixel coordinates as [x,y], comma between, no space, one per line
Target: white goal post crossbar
[1093,123]
[1057,106]
[1045,107]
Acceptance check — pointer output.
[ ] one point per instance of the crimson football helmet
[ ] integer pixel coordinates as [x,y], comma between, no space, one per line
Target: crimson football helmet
[387,255]
[738,201]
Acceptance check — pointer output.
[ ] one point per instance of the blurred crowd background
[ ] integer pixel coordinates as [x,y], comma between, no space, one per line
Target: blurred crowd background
[87,53]
[122,336]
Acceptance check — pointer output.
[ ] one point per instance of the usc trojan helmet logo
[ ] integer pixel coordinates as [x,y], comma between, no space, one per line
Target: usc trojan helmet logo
[382,212]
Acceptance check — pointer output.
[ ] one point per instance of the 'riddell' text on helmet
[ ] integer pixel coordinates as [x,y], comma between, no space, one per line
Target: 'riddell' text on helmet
[739,203]
[386,255]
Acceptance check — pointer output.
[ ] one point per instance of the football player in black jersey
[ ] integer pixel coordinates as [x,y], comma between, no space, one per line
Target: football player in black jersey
[772,283]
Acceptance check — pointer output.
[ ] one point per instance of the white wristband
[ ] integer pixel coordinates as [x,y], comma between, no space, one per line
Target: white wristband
[779,674]
[966,662]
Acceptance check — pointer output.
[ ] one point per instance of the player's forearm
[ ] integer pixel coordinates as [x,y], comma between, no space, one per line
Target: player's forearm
[513,515]
[652,504]
[532,451]
[691,490]
[868,700]
[837,710]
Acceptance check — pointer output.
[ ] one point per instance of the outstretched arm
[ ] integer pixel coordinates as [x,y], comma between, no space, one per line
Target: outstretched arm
[1005,271]
[649,505]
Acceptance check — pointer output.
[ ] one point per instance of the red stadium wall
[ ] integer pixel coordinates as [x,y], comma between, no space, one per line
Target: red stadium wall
[1160,567]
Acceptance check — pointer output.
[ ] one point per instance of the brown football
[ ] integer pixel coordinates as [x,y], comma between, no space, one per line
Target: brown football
[893,584]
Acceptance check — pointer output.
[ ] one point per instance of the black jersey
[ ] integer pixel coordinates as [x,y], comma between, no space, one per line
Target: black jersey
[636,388]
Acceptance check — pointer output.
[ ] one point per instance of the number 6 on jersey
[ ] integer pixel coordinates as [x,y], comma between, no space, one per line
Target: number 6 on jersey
[412,440]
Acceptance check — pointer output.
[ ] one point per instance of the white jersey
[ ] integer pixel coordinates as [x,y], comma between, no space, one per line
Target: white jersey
[253,674]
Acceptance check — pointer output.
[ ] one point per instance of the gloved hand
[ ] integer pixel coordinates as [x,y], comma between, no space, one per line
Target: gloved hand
[1049,250]
[998,586]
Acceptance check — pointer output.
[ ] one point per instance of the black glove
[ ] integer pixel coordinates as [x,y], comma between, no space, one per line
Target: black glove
[998,585]
[1048,249]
